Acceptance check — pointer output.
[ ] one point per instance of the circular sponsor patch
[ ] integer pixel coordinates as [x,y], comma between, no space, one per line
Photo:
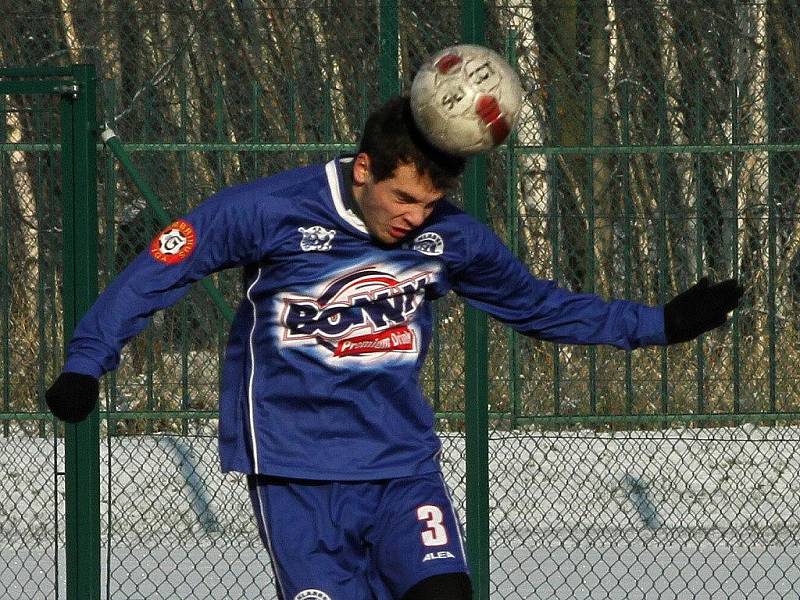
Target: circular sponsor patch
[429,243]
[312,595]
[174,244]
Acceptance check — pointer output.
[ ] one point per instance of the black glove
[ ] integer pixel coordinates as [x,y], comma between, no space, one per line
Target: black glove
[700,308]
[73,396]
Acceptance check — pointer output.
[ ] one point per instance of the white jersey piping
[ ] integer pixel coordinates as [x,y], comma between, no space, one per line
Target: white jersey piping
[270,550]
[336,192]
[250,399]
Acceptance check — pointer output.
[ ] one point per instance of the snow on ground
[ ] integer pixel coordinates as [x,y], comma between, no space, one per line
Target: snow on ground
[692,513]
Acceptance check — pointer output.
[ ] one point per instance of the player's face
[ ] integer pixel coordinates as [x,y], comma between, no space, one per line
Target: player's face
[396,206]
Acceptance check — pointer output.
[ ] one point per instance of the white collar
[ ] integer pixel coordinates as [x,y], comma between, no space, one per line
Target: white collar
[334,183]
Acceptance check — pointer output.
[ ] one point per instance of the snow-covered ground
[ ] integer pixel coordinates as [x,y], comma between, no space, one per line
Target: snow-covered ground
[692,513]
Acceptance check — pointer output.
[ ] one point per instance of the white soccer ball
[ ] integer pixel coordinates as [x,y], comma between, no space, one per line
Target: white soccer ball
[466,99]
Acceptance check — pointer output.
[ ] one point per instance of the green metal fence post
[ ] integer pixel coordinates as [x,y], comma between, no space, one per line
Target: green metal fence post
[183,207]
[81,441]
[554,225]
[389,72]
[109,388]
[591,217]
[41,271]
[701,206]
[110,188]
[663,235]
[476,358]
[772,232]
[736,170]
[627,252]
[476,385]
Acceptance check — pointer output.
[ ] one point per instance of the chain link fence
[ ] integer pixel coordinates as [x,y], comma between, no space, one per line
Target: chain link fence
[658,142]
[675,513]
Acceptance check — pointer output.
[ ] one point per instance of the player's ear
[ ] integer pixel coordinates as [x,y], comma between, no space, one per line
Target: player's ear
[362,169]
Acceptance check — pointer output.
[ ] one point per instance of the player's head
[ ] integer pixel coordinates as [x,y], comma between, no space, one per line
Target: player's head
[398,177]
[391,138]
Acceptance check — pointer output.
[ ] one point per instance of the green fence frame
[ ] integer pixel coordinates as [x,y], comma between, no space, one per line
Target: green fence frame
[476,369]
[76,88]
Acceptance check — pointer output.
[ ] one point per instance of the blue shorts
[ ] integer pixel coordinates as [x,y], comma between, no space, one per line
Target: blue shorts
[356,540]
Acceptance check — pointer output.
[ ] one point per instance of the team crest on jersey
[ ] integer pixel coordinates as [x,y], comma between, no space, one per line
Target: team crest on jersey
[316,238]
[312,595]
[174,244]
[364,312]
[429,243]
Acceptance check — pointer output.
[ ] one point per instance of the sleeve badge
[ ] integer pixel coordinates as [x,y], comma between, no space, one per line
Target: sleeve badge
[174,244]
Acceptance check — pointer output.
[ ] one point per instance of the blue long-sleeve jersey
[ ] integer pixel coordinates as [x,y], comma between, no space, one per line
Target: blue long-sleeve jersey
[321,372]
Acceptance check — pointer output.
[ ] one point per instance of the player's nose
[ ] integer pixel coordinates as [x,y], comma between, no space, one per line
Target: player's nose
[415,217]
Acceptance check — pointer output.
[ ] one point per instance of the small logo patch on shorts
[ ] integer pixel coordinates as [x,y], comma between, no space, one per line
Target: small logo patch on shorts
[174,244]
[312,595]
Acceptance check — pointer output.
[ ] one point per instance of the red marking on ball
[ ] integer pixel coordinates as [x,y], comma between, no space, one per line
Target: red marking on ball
[447,62]
[488,110]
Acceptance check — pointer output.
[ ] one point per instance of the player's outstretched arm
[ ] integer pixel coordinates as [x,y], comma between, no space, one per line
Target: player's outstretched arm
[490,278]
[700,308]
[232,228]
[73,396]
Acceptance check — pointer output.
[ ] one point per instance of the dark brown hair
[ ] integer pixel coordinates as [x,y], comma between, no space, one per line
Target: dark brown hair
[391,138]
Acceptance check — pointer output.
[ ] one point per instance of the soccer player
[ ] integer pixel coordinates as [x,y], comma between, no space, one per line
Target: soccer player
[320,404]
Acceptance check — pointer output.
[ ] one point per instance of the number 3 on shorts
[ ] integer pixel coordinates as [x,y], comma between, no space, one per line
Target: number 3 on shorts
[435,534]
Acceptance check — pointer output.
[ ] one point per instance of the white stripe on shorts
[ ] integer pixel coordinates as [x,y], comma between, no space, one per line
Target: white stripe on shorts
[271,553]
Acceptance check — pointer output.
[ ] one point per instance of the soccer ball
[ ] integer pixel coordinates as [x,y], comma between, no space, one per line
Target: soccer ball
[466,99]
